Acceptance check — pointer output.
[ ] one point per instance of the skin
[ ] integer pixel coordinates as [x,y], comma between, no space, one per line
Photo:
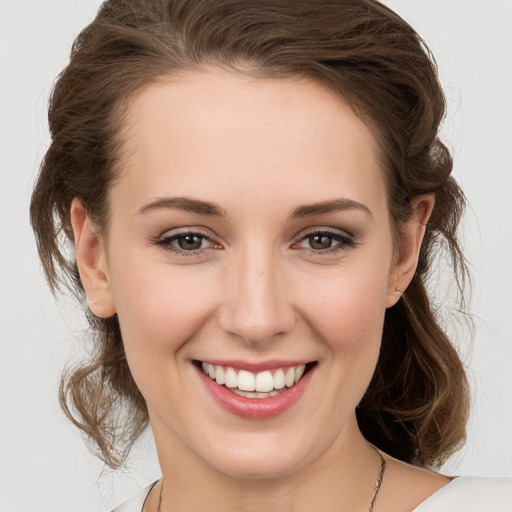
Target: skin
[256,289]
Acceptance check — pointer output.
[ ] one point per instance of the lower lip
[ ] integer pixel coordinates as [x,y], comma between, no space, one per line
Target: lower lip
[256,408]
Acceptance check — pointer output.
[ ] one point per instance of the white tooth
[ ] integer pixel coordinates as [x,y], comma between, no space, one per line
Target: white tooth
[219,375]
[246,381]
[230,378]
[264,382]
[299,371]
[279,382]
[290,377]
[204,366]
[249,394]
[246,394]
[211,371]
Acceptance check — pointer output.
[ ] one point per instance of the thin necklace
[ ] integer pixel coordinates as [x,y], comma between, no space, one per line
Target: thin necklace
[376,490]
[378,483]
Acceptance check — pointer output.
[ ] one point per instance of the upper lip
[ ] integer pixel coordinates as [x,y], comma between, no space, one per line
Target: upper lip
[256,366]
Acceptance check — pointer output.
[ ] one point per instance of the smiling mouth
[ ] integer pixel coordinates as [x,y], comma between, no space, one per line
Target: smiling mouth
[249,384]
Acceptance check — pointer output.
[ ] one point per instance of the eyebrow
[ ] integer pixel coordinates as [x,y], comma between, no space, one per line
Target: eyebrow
[329,207]
[183,203]
[207,208]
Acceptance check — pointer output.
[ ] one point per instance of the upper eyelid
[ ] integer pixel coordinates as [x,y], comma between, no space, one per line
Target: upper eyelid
[328,230]
[174,232]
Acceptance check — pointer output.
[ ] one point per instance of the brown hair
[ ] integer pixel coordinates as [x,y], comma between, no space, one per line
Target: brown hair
[417,403]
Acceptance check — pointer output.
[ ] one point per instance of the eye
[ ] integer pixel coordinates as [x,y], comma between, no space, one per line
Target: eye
[326,241]
[190,242]
[187,243]
[320,242]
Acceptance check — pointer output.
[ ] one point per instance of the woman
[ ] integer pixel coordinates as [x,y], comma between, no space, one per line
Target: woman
[255,192]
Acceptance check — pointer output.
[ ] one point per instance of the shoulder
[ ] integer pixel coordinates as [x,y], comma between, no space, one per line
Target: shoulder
[471,494]
[135,503]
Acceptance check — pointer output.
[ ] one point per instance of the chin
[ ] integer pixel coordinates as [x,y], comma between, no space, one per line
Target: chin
[260,458]
[259,467]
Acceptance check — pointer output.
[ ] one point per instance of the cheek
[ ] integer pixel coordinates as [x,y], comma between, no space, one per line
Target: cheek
[348,318]
[348,307]
[159,307]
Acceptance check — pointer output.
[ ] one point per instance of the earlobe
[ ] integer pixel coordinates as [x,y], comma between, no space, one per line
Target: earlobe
[92,262]
[406,262]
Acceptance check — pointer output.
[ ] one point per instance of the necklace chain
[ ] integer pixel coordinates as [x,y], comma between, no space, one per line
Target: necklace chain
[378,483]
[376,490]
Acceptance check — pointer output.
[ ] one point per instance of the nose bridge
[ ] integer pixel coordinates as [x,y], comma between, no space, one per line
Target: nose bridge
[257,308]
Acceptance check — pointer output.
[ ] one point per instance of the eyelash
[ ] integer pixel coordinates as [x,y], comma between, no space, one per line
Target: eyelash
[343,241]
[167,243]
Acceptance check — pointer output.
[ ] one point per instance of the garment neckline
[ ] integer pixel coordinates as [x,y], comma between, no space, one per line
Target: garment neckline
[426,501]
[442,490]
[149,488]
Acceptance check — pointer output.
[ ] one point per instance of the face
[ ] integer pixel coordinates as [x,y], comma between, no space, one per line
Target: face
[249,239]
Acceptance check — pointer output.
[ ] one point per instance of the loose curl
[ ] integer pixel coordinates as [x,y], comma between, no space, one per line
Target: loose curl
[416,406]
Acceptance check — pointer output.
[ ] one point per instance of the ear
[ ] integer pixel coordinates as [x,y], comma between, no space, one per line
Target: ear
[92,262]
[411,237]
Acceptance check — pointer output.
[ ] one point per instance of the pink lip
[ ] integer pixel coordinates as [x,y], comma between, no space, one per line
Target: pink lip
[255,408]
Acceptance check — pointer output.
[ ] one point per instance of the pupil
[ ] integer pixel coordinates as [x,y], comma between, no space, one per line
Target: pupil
[190,242]
[320,242]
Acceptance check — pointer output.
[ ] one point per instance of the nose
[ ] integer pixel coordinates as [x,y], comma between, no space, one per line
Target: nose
[257,307]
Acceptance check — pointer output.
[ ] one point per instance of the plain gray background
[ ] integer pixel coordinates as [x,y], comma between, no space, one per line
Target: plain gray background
[44,465]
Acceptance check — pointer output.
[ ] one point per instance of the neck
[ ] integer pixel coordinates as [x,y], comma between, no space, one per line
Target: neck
[342,478]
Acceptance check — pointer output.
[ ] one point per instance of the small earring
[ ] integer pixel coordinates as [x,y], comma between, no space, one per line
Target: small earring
[91,301]
[398,292]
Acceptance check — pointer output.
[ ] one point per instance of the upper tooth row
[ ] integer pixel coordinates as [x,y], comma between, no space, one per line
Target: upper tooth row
[248,381]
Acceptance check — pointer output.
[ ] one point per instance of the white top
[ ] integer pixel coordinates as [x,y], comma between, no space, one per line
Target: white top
[462,494]
[136,503]
[470,494]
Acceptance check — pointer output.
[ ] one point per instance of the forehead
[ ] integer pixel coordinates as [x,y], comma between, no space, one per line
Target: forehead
[234,135]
